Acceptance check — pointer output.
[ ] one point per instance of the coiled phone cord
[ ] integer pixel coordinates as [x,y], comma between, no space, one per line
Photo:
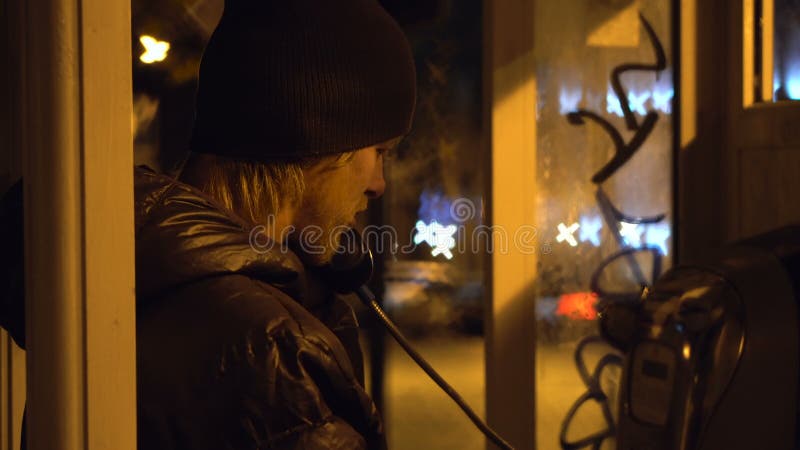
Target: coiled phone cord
[368,298]
[594,392]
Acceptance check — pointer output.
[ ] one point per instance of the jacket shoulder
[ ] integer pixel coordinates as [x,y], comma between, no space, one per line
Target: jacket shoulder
[260,356]
[234,308]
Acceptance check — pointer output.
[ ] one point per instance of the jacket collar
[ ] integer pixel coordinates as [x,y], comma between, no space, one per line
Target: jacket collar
[183,236]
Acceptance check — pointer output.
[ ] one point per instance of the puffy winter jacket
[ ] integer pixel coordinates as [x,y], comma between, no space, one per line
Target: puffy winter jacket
[237,348]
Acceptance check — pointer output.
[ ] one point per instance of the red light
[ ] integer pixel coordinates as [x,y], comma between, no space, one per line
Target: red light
[578,306]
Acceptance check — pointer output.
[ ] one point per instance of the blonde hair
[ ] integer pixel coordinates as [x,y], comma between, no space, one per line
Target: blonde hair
[255,190]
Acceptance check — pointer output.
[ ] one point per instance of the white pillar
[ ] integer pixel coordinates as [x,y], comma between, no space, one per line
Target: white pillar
[79,225]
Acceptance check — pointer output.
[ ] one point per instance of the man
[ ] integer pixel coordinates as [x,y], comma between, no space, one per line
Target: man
[243,346]
[240,344]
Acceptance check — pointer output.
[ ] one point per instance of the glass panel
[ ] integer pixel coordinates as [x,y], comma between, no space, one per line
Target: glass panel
[168,41]
[776,49]
[604,165]
[786,71]
[433,277]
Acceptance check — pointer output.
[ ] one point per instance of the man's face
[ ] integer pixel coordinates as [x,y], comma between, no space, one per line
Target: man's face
[334,194]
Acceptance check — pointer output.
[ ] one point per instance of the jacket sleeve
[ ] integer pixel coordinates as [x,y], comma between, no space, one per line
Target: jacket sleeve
[301,396]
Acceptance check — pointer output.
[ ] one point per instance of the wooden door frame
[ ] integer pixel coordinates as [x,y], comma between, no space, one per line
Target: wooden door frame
[751,126]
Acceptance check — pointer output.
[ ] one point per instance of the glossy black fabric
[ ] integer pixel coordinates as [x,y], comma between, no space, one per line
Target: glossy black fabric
[237,348]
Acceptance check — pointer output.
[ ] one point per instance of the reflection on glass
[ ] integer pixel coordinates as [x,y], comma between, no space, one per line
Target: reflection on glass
[604,161]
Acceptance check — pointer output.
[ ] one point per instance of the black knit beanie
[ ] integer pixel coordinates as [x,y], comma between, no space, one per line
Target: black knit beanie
[284,79]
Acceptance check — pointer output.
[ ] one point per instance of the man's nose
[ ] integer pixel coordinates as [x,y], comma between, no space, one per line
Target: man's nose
[377,184]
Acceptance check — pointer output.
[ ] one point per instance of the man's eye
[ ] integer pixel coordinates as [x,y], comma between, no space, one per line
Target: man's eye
[385,153]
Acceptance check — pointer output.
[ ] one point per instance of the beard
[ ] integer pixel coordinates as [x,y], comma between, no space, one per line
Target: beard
[316,245]
[319,234]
